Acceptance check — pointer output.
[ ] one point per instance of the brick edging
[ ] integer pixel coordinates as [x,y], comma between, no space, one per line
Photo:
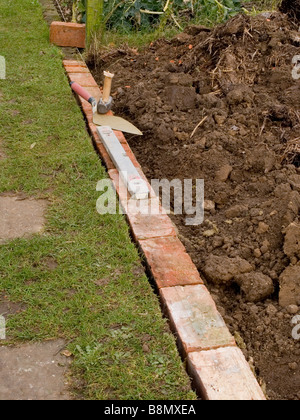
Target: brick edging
[217,366]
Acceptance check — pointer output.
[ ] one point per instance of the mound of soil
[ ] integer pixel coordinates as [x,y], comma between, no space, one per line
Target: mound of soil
[237,81]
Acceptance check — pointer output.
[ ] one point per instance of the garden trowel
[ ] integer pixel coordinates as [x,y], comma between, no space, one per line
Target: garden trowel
[101,110]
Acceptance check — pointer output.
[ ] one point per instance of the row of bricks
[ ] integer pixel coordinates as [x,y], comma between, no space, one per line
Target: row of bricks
[216,364]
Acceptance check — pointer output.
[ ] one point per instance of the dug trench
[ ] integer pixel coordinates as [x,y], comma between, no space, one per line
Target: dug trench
[240,82]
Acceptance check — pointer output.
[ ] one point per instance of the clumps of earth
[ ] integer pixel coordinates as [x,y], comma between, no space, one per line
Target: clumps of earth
[223,105]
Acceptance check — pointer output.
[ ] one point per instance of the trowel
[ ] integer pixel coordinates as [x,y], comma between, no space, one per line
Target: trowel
[101,110]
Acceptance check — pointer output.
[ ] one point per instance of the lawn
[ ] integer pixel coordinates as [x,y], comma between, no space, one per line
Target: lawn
[82,278]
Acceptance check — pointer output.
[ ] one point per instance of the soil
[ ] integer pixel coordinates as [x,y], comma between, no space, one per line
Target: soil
[9,308]
[291,7]
[237,81]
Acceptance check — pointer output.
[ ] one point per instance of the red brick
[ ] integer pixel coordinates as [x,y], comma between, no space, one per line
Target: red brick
[104,155]
[93,91]
[76,69]
[143,176]
[94,132]
[88,112]
[86,106]
[195,319]
[100,148]
[146,226]
[125,197]
[224,374]
[169,262]
[84,79]
[120,187]
[131,155]
[74,63]
[143,224]
[120,135]
[65,34]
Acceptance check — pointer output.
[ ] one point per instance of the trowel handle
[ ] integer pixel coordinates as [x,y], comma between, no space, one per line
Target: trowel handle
[107,86]
[83,93]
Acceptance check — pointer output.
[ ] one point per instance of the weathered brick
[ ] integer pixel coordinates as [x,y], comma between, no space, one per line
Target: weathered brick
[83,79]
[88,112]
[146,226]
[131,155]
[74,63]
[67,34]
[223,374]
[77,69]
[143,176]
[119,186]
[86,107]
[120,135]
[125,198]
[195,319]
[100,147]
[93,91]
[169,262]
[104,155]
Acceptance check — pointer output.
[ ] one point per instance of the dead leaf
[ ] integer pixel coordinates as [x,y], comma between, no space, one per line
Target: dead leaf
[66,353]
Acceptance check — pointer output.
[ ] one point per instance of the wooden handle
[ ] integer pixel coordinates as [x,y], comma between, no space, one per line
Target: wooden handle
[107,86]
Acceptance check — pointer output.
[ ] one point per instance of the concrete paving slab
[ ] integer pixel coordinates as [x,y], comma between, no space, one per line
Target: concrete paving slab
[34,372]
[20,217]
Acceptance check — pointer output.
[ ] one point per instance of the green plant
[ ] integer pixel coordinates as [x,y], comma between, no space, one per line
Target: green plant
[79,11]
[149,15]
[217,10]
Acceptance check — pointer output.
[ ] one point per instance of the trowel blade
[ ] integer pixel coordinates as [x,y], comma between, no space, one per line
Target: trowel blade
[116,123]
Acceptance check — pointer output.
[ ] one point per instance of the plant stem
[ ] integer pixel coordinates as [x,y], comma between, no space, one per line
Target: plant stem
[94,19]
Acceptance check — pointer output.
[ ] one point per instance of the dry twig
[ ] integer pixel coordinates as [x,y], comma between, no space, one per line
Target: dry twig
[199,125]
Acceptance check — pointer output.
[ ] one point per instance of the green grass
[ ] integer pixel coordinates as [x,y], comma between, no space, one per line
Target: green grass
[96,295]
